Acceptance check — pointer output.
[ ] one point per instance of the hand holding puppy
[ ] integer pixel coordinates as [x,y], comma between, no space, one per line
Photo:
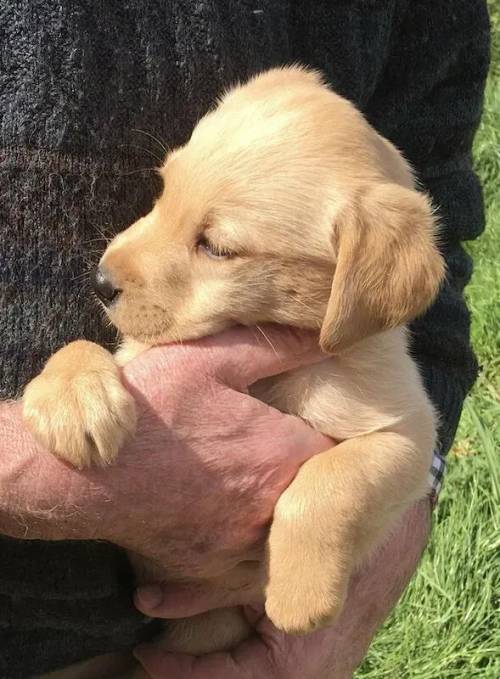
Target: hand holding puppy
[198,484]
[332,653]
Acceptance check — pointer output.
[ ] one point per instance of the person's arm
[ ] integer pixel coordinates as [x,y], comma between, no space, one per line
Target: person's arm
[328,654]
[182,393]
[202,446]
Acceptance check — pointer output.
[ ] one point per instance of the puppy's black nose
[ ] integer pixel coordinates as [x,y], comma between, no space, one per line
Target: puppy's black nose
[103,287]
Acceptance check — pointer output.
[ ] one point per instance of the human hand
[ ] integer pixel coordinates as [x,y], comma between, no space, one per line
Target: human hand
[197,486]
[332,653]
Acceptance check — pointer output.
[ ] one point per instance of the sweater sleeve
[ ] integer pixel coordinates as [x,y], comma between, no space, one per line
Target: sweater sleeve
[431,109]
[62,602]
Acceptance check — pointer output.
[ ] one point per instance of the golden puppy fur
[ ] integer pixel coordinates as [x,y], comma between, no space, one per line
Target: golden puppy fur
[284,206]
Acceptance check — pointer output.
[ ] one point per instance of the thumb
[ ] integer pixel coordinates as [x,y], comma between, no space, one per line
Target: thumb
[179,601]
[183,600]
[242,356]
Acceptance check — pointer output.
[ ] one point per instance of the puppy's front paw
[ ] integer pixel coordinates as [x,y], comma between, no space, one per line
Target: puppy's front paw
[78,408]
[307,577]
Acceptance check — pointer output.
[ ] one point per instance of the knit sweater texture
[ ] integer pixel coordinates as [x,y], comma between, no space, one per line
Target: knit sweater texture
[77,81]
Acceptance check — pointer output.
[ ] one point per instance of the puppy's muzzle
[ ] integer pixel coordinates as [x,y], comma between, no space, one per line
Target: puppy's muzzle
[104,287]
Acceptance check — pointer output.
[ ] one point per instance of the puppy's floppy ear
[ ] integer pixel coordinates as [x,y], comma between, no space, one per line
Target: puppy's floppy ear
[388,266]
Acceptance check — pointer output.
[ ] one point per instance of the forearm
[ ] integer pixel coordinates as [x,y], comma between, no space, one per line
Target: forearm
[333,652]
[32,506]
[376,589]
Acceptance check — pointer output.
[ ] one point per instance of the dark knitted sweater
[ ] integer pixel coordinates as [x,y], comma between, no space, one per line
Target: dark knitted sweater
[76,79]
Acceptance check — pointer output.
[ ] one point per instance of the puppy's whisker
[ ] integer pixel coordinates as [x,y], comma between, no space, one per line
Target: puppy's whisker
[108,229]
[144,150]
[163,145]
[92,257]
[102,310]
[79,276]
[142,169]
[312,308]
[105,238]
[105,230]
[179,339]
[93,240]
[83,290]
[87,252]
[90,264]
[268,340]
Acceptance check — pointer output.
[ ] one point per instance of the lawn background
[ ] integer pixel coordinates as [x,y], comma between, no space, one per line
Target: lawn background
[448,622]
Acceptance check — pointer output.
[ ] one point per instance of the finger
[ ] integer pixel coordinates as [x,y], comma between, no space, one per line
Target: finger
[171,601]
[181,601]
[159,664]
[252,661]
[238,357]
[254,614]
[242,356]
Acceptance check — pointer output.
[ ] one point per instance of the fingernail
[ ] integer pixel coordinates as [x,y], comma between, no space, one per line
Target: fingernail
[254,614]
[149,596]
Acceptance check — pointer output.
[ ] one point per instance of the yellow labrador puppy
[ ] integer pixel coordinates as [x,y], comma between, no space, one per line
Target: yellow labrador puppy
[284,206]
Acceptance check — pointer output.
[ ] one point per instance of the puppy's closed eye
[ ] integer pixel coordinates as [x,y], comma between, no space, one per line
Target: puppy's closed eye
[213,250]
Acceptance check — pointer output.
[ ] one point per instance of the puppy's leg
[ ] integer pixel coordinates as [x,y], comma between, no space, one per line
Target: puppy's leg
[78,407]
[338,507]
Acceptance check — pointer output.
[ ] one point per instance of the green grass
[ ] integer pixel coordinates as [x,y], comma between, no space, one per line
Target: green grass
[448,622]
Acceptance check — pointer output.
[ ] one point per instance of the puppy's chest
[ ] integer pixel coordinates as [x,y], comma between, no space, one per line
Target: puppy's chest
[347,397]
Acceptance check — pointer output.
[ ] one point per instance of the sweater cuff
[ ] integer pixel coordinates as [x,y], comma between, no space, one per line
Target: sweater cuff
[65,600]
[447,388]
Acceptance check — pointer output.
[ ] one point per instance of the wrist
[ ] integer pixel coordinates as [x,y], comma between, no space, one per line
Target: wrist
[377,587]
[16,452]
[37,491]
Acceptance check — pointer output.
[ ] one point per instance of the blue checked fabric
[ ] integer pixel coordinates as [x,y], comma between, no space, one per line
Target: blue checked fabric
[436,475]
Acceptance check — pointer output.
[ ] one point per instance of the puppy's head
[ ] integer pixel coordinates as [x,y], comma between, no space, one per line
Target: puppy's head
[284,206]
